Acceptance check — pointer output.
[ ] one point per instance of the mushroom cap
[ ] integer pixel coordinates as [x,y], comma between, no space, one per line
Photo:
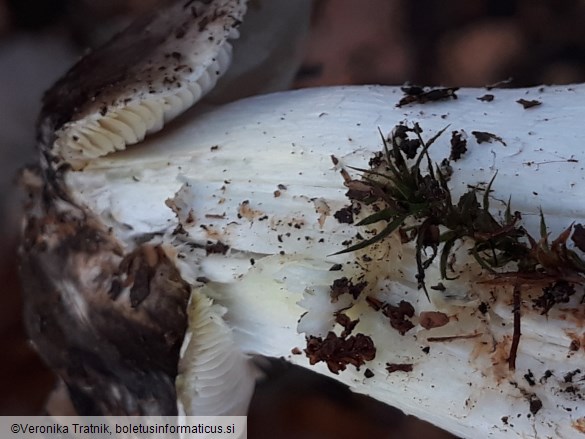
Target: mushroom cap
[110,315]
[145,76]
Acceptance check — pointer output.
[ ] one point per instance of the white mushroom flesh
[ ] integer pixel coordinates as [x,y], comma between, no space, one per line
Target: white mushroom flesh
[257,175]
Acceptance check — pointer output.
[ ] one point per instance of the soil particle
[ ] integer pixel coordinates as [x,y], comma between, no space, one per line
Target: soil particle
[529,103]
[433,319]
[421,95]
[216,248]
[484,136]
[392,367]
[486,98]
[399,315]
[458,146]
[346,286]
[344,215]
[337,352]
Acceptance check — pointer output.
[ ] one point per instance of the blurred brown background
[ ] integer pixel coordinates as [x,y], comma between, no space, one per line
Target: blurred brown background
[451,42]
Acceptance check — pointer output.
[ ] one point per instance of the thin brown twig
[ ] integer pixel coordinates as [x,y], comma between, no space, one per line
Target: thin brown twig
[517,333]
[454,337]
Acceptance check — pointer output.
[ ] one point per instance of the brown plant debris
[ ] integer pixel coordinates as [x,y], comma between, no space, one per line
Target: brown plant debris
[374,303]
[344,215]
[394,367]
[398,191]
[451,338]
[578,237]
[529,103]
[506,83]
[568,378]
[545,376]
[484,136]
[357,190]
[399,316]
[579,425]
[458,146]
[486,98]
[345,286]
[433,319]
[535,404]
[422,95]
[245,211]
[405,237]
[556,292]
[516,308]
[337,352]
[529,377]
[347,324]
[216,248]
[408,146]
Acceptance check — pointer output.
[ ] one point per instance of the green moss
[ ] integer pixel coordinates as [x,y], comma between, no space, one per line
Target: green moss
[403,185]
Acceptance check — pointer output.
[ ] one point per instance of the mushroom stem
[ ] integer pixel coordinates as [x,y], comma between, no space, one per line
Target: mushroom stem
[250,202]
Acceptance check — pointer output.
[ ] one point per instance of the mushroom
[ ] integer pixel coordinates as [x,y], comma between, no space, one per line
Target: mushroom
[285,225]
[112,327]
